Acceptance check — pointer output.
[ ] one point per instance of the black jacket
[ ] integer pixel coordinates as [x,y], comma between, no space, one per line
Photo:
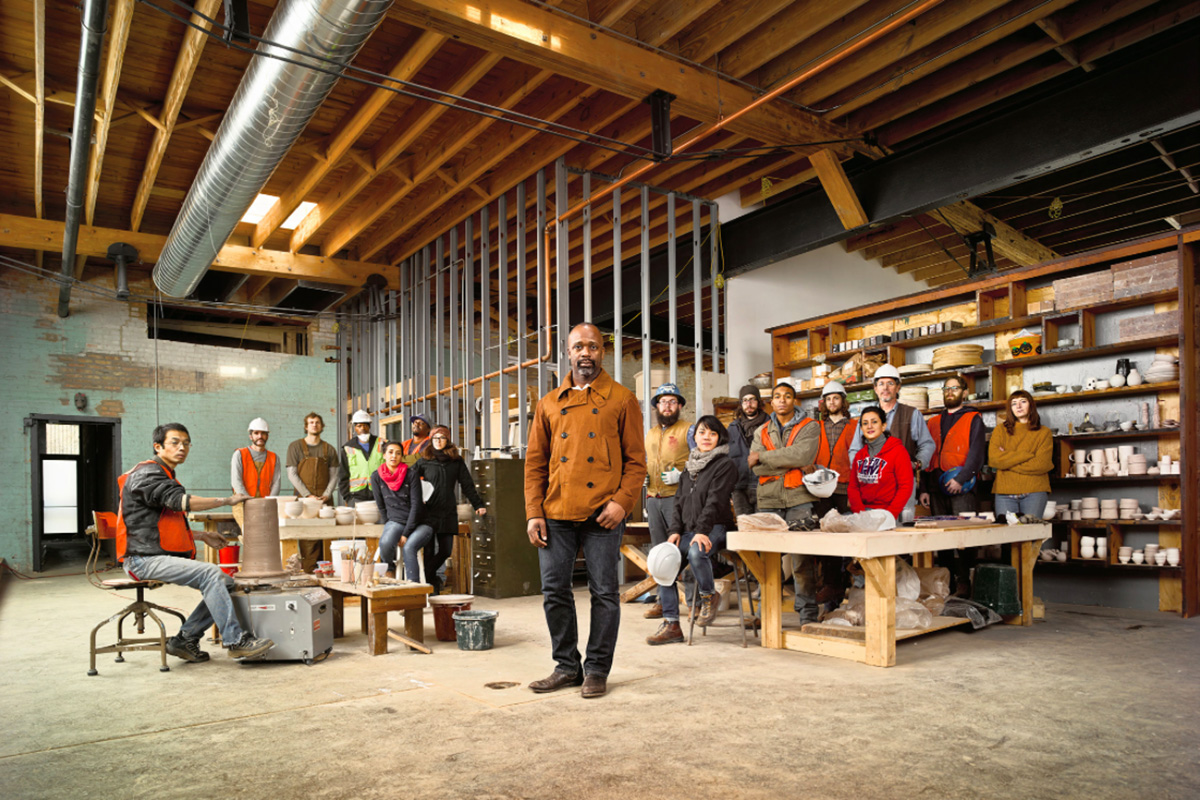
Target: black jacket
[404,506]
[148,490]
[739,448]
[441,512]
[705,502]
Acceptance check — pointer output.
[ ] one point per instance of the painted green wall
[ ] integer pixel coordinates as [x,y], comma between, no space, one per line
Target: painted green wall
[102,349]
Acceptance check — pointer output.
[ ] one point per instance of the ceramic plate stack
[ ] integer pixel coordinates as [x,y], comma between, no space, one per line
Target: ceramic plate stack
[1164,369]
[1090,508]
[1137,464]
[1129,507]
[1108,509]
[915,396]
[914,369]
[957,355]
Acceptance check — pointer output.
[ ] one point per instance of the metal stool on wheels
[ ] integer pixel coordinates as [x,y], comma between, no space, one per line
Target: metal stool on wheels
[740,573]
[105,529]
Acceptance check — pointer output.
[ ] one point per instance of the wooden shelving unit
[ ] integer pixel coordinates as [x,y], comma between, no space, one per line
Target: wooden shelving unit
[1001,305]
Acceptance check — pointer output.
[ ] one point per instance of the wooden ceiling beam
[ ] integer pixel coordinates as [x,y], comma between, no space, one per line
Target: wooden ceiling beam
[536,36]
[940,54]
[881,235]
[194,39]
[39,102]
[795,24]
[27,233]
[936,23]
[1009,242]
[715,32]
[751,194]
[915,237]
[388,149]
[437,213]
[668,17]
[348,130]
[426,164]
[837,187]
[1135,28]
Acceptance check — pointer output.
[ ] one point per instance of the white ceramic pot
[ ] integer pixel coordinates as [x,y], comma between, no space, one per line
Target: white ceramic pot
[1087,552]
[292,509]
[368,516]
[327,512]
[1117,381]
[1134,378]
[1138,556]
[312,507]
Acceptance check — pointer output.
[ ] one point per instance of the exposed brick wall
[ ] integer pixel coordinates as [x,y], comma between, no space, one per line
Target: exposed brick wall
[102,350]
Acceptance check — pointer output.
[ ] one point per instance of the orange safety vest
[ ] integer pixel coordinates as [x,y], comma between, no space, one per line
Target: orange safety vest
[793,478]
[260,486]
[837,458]
[951,452]
[174,535]
[411,446]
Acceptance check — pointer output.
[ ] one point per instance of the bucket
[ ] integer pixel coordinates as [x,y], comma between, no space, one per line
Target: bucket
[475,630]
[230,555]
[338,545]
[444,608]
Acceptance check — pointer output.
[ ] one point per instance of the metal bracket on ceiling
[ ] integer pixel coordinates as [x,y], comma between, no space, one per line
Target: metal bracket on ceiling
[973,241]
[660,124]
[122,255]
[237,21]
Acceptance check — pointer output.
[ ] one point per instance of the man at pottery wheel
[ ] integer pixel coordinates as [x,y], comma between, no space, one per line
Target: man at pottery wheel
[154,543]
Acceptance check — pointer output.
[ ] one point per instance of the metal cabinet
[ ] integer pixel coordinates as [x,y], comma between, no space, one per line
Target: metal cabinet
[504,564]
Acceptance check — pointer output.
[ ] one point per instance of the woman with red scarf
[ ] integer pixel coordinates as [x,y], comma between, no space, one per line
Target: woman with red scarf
[397,489]
[882,474]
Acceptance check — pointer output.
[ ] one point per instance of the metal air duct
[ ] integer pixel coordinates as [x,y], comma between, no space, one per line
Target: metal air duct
[273,103]
[95,16]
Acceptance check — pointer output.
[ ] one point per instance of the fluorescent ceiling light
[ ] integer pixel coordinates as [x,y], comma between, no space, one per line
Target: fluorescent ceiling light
[300,213]
[259,208]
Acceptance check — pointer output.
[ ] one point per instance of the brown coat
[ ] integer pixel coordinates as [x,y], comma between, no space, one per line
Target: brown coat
[585,448]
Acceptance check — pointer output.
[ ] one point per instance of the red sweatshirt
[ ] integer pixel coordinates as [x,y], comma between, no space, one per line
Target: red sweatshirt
[882,481]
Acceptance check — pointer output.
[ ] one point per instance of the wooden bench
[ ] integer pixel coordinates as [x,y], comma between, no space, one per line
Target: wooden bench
[376,602]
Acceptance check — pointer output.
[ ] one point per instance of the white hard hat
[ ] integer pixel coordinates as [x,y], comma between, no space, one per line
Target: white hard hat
[361,416]
[833,387]
[822,482]
[887,371]
[662,562]
[259,424]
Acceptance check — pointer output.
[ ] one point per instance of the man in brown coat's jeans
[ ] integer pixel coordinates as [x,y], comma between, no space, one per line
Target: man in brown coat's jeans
[584,466]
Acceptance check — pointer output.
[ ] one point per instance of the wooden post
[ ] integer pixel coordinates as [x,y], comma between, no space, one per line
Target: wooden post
[772,601]
[1189,417]
[880,617]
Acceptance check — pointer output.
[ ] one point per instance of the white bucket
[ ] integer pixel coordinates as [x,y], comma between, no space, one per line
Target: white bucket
[338,545]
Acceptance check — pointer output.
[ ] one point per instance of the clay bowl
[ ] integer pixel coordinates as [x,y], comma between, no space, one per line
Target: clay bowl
[344,518]
[368,516]
[292,509]
[327,512]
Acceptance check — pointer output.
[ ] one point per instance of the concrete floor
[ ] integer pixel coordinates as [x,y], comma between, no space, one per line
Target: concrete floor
[1093,702]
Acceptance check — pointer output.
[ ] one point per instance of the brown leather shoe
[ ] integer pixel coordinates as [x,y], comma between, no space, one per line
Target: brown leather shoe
[594,686]
[555,681]
[654,612]
[668,633]
[708,610]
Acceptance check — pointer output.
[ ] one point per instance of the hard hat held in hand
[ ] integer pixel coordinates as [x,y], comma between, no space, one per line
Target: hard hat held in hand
[952,475]
[662,562]
[258,424]
[361,416]
[821,483]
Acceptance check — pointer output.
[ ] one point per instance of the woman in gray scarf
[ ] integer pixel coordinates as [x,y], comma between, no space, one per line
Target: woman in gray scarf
[702,515]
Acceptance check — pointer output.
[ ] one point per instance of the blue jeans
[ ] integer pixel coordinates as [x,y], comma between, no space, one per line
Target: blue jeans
[601,553]
[217,605]
[1032,504]
[804,567]
[417,540]
[701,568]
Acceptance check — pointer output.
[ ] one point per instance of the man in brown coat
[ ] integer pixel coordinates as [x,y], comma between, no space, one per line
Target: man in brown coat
[584,467]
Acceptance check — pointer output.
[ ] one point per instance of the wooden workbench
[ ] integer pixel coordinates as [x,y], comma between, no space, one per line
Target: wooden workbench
[876,552]
[377,601]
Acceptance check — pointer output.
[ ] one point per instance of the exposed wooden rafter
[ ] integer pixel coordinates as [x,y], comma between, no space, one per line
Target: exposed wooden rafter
[188,59]
[838,189]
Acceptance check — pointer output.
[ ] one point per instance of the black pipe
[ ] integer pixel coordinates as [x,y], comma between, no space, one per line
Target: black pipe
[122,255]
[94,26]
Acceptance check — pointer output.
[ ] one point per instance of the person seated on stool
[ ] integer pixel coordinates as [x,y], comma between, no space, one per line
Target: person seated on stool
[154,543]
[397,490]
[703,513]
[443,467]
[881,475]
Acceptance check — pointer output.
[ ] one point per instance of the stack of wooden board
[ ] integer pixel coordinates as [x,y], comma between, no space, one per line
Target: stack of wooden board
[957,355]
[1083,290]
[1146,326]
[1157,273]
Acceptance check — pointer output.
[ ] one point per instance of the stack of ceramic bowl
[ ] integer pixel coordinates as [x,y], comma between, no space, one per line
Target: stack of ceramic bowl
[915,396]
[1130,509]
[1136,464]
[957,355]
[1089,508]
[1108,510]
[1124,554]
[327,512]
[1164,369]
[1151,553]
[344,515]
[914,369]
[292,509]
[1087,547]
[367,511]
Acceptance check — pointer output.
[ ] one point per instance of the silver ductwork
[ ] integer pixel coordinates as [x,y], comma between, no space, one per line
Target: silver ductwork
[273,104]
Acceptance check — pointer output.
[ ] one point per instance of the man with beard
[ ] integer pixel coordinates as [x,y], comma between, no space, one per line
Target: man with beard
[958,435]
[666,454]
[903,421]
[584,467]
[779,452]
[312,467]
[254,470]
[750,417]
